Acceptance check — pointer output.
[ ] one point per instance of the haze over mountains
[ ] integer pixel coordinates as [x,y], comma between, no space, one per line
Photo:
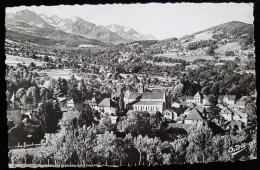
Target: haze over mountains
[114,34]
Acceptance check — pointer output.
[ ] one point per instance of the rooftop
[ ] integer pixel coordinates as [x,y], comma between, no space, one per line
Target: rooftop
[149,103]
[194,115]
[146,95]
[187,97]
[107,102]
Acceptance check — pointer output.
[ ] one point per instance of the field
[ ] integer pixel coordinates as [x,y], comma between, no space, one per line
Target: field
[228,47]
[56,73]
[70,115]
[14,60]
[186,58]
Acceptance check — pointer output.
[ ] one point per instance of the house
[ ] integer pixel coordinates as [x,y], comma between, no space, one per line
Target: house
[240,116]
[70,103]
[180,120]
[226,114]
[107,106]
[176,105]
[113,119]
[197,99]
[235,124]
[74,104]
[194,117]
[169,114]
[187,99]
[241,104]
[220,106]
[92,103]
[227,99]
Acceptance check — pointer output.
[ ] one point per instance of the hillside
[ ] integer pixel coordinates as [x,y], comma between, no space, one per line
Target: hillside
[230,32]
[53,38]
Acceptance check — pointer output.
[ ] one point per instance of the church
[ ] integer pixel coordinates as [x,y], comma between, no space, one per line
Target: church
[145,101]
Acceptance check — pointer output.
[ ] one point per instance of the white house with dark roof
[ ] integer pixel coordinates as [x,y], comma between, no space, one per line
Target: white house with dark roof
[228,99]
[107,106]
[226,114]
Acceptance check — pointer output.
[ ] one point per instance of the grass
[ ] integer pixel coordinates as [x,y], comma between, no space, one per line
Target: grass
[186,57]
[70,115]
[14,60]
[56,73]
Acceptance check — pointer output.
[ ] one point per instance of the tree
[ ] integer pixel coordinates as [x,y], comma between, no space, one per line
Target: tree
[155,119]
[16,134]
[83,90]
[205,90]
[46,58]
[140,144]
[199,143]
[84,142]
[105,122]
[20,93]
[45,94]
[215,88]
[86,116]
[210,51]
[137,123]
[33,94]
[48,115]
[109,148]
[75,94]
[59,146]
[149,147]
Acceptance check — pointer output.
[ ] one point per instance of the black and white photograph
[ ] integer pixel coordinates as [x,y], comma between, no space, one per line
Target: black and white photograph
[130,84]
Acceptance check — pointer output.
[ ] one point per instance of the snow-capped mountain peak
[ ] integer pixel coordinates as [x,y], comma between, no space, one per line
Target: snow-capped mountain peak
[128,33]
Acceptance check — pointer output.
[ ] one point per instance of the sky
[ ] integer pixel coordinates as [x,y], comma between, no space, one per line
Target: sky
[161,20]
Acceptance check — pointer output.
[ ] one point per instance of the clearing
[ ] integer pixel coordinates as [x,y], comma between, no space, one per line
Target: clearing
[14,60]
[228,47]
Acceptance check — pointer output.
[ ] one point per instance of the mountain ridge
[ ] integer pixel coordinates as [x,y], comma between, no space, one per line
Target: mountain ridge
[74,25]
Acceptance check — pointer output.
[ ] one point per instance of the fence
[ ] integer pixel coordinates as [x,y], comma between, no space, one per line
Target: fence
[24,146]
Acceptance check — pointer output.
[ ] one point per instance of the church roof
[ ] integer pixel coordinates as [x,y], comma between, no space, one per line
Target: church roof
[146,95]
[134,95]
[149,103]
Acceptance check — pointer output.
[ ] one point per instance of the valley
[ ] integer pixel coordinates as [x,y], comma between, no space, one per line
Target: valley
[82,94]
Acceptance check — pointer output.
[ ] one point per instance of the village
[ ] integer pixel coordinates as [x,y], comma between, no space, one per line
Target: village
[85,95]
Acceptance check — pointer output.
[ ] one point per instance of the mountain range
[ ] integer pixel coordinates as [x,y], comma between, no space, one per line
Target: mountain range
[29,23]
